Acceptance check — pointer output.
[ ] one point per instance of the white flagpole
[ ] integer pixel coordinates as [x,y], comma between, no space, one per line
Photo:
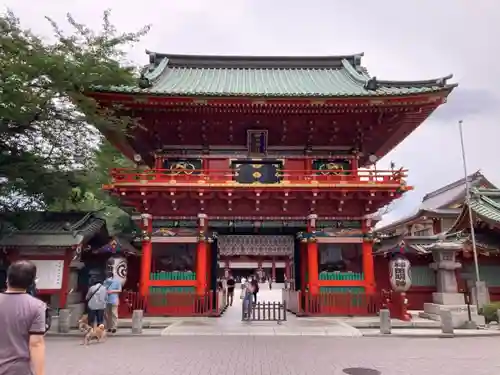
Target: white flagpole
[467,201]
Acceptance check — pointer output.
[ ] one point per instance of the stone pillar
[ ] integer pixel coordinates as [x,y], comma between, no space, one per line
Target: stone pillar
[147,254]
[385,321]
[480,294]
[137,321]
[312,255]
[202,255]
[445,265]
[64,321]
[446,322]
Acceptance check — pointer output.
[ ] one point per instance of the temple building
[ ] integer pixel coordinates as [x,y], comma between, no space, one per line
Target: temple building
[442,225]
[70,250]
[262,165]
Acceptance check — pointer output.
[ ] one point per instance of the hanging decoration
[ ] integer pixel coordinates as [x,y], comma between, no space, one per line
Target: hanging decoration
[400,273]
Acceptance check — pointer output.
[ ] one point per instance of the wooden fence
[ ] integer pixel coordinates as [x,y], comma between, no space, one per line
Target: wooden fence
[331,304]
[211,303]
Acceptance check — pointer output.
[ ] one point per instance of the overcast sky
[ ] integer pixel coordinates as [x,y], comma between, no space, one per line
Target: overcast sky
[411,39]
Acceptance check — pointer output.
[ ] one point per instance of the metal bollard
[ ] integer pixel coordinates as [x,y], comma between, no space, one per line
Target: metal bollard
[137,321]
[446,322]
[385,322]
[64,321]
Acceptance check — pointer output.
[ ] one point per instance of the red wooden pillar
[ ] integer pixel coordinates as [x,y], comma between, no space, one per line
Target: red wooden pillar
[367,258]
[147,254]
[273,269]
[287,269]
[201,256]
[355,164]
[312,256]
[158,162]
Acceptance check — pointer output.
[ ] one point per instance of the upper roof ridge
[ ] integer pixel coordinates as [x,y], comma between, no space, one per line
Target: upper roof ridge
[254,62]
[474,176]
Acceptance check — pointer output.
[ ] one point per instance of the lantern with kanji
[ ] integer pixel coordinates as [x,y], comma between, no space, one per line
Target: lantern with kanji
[400,273]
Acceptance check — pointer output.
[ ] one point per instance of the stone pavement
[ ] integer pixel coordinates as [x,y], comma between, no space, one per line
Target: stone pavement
[218,355]
[230,323]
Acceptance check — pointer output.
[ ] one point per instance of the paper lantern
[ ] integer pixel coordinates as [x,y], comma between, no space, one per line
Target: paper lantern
[400,273]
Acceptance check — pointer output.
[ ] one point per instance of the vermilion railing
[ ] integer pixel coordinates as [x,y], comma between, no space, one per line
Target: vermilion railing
[202,176]
[331,304]
[211,303]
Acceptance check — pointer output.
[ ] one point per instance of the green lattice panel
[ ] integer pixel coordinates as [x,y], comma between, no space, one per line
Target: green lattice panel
[357,297]
[341,276]
[342,289]
[171,289]
[164,276]
[423,276]
[490,274]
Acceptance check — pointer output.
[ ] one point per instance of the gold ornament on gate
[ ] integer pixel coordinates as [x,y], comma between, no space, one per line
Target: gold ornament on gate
[182,167]
[331,168]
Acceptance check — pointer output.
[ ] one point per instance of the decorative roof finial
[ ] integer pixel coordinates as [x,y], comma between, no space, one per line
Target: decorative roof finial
[371,84]
[144,83]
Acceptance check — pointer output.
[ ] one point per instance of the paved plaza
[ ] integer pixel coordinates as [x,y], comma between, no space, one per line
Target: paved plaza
[261,355]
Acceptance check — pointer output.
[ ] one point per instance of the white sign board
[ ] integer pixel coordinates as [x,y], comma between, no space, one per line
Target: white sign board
[49,273]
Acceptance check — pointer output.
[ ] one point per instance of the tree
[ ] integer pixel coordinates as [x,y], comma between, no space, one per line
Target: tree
[49,129]
[88,195]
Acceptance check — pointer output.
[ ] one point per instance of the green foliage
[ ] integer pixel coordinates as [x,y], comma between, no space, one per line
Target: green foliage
[489,312]
[88,194]
[49,129]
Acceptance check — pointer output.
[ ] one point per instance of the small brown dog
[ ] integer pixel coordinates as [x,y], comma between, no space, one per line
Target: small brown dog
[91,333]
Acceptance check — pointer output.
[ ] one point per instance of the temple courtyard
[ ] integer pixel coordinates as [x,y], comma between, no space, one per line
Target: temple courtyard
[267,355]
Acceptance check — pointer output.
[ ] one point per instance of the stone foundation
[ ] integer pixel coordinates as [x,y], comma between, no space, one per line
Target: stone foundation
[455,303]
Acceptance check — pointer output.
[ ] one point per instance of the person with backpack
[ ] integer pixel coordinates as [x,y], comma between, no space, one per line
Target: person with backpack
[96,303]
[247,297]
[255,287]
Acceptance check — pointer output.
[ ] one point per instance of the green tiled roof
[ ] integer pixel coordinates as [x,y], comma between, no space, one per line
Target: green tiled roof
[239,76]
[486,204]
[49,229]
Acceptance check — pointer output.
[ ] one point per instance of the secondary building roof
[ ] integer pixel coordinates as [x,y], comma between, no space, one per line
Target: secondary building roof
[485,206]
[438,202]
[49,229]
[252,76]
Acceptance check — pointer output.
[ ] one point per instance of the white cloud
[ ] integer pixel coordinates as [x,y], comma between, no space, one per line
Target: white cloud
[413,39]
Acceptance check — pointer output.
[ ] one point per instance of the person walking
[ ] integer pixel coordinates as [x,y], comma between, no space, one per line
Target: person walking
[255,287]
[230,290]
[247,297]
[96,303]
[114,288]
[22,318]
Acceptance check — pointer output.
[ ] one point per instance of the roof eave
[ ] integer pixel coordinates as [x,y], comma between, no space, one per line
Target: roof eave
[408,219]
[259,96]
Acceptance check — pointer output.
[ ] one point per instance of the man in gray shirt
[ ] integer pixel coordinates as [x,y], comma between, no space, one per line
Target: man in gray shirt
[22,318]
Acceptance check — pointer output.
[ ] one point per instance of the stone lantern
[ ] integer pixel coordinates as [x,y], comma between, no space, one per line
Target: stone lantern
[447,296]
